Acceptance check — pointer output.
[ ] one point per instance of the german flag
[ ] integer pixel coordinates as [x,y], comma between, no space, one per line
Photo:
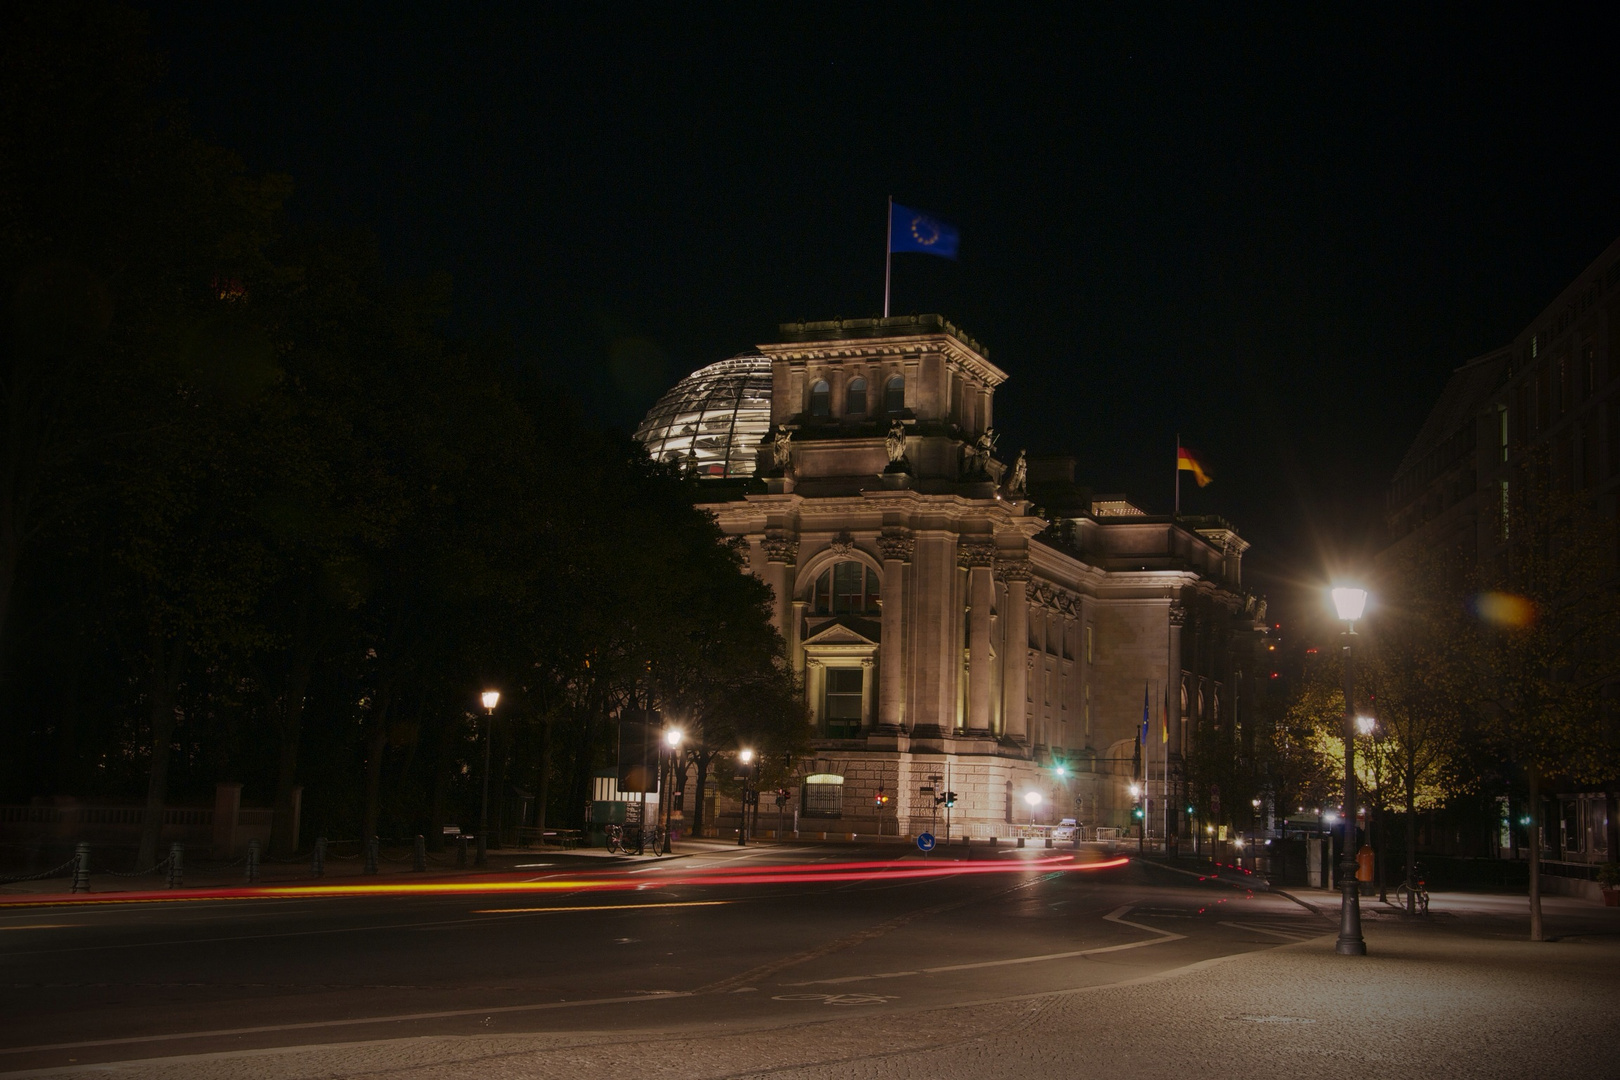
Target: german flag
[1185,462]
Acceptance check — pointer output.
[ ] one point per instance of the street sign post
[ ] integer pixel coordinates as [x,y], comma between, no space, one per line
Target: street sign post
[925,842]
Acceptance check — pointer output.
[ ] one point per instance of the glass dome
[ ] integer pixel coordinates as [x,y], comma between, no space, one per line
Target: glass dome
[719,413]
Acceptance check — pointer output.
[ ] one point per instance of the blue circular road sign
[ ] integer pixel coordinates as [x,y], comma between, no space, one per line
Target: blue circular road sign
[925,841]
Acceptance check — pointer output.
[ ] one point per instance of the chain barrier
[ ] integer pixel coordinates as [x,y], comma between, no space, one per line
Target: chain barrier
[43,874]
[164,865]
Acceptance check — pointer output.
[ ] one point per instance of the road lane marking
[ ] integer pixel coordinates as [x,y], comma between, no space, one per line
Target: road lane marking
[358,1022]
[601,907]
[39,926]
[1286,935]
[1117,915]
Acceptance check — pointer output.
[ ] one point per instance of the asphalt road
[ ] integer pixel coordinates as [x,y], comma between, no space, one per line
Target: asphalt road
[740,962]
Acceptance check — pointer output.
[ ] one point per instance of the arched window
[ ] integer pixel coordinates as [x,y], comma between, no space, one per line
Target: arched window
[855,398]
[894,394]
[820,398]
[846,588]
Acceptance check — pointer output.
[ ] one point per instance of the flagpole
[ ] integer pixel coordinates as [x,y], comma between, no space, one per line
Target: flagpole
[1178,457]
[888,256]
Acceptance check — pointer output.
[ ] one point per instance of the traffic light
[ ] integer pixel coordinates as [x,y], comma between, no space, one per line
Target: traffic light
[882,798]
[949,798]
[1138,813]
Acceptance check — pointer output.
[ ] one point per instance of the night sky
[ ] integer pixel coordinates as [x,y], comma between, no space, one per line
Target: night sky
[1274,232]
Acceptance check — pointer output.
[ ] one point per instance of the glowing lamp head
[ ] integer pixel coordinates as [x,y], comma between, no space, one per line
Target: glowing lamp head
[1033,798]
[1136,791]
[1061,770]
[1349,602]
[672,737]
[1364,724]
[490,698]
[745,755]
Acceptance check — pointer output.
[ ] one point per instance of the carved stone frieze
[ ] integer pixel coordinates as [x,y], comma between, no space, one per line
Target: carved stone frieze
[1013,569]
[897,544]
[1178,615]
[843,543]
[971,553]
[780,548]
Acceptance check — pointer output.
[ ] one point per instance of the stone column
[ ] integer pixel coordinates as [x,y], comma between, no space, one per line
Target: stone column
[814,685]
[1015,651]
[1177,800]
[978,557]
[896,548]
[1177,619]
[867,716]
[781,553]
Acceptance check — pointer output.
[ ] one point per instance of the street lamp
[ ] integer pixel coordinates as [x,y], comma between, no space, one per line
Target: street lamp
[672,739]
[1349,602]
[745,757]
[1033,798]
[490,698]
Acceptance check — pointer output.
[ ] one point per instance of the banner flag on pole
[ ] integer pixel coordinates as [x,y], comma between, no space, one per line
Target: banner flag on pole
[1185,462]
[913,230]
[1144,713]
[1164,717]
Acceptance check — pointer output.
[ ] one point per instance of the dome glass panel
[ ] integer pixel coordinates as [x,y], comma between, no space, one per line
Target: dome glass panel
[716,417]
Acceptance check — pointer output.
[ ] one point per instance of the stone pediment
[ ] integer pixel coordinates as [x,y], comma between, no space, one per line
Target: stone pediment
[838,634]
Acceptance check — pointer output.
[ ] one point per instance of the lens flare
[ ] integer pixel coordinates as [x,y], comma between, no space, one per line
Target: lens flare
[1505,610]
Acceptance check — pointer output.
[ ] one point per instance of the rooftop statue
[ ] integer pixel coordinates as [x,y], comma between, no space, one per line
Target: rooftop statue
[782,448]
[1020,471]
[895,443]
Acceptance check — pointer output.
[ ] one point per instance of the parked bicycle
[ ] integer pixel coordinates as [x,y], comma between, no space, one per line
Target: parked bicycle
[629,840]
[1413,896]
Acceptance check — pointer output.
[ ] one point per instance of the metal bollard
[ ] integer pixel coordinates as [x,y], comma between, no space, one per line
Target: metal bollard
[177,865]
[1020,841]
[461,851]
[371,855]
[317,861]
[419,856]
[81,867]
[253,861]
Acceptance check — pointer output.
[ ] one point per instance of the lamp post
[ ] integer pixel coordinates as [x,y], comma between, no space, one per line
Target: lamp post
[1349,602]
[1140,813]
[1369,726]
[745,758]
[672,739]
[490,698]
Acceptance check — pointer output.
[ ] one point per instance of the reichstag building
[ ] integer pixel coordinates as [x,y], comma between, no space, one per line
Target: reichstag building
[961,621]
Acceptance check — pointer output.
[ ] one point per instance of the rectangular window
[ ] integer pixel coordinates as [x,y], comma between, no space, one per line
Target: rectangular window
[849,587]
[1502,438]
[1088,644]
[843,705]
[823,795]
[1088,714]
[1503,511]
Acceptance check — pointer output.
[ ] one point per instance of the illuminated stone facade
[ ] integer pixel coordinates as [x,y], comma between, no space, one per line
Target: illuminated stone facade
[944,627]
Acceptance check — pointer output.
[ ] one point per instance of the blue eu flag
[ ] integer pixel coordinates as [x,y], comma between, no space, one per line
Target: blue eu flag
[912,230]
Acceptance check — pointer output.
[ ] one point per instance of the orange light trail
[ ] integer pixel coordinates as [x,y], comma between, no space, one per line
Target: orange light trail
[887,871]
